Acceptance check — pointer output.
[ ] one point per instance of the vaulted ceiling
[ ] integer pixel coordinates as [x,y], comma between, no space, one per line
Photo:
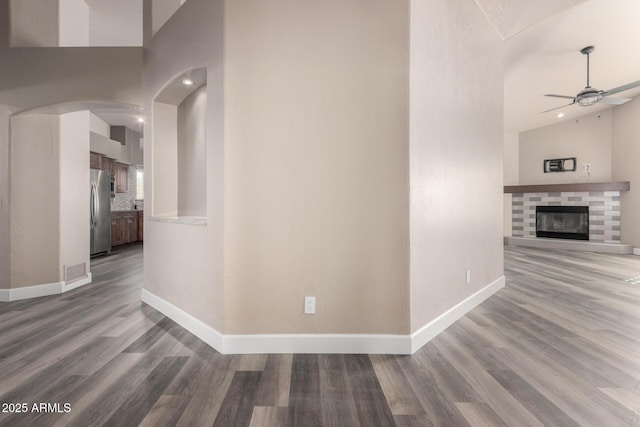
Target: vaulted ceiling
[542,54]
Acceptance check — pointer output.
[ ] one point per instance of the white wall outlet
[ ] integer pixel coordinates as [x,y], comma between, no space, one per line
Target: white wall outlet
[468,276]
[309,305]
[586,167]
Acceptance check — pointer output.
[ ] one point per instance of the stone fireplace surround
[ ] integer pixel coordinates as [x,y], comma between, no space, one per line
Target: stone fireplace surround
[603,200]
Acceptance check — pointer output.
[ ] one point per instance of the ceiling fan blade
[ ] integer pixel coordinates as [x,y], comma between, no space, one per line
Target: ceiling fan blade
[622,88]
[614,101]
[556,108]
[560,96]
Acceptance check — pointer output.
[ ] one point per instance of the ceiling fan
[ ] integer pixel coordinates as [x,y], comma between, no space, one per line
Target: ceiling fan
[589,96]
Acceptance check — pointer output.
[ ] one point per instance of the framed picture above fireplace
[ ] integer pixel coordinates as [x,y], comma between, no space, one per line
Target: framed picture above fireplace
[567,164]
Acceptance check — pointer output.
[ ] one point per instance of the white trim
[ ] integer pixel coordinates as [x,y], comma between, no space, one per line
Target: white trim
[446,319]
[636,251]
[77,283]
[37,291]
[205,332]
[320,343]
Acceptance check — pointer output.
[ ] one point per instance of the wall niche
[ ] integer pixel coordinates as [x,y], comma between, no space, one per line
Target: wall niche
[179,147]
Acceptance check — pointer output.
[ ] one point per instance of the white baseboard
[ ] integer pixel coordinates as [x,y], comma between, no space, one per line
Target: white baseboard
[449,317]
[201,330]
[320,343]
[66,287]
[636,251]
[37,291]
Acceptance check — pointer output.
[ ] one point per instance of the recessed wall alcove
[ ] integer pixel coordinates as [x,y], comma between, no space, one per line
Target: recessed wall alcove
[179,149]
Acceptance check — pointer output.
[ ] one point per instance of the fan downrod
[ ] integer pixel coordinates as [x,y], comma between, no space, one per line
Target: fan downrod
[586,51]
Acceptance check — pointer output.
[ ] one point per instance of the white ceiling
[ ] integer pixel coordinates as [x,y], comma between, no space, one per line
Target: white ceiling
[512,16]
[545,58]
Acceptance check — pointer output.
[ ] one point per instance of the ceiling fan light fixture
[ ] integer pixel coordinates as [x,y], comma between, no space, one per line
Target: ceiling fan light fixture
[590,100]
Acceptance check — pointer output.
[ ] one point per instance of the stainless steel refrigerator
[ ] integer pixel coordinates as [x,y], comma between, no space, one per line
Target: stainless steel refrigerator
[100,212]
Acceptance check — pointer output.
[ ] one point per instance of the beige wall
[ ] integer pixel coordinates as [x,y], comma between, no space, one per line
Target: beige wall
[162,10]
[510,174]
[625,154]
[115,22]
[165,163]
[35,202]
[192,153]
[5,237]
[73,23]
[74,187]
[34,23]
[316,166]
[183,263]
[587,138]
[456,140]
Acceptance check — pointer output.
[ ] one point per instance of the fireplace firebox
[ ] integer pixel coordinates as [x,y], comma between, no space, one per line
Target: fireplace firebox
[563,222]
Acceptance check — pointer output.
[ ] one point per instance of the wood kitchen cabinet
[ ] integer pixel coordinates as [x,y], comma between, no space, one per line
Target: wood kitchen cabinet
[99,161]
[107,164]
[121,173]
[126,227]
[117,229]
[130,226]
[95,160]
[140,226]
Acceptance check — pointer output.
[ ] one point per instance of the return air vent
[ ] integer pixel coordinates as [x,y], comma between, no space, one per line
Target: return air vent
[73,273]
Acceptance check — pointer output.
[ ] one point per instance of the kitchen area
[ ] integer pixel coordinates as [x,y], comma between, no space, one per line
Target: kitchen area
[117,182]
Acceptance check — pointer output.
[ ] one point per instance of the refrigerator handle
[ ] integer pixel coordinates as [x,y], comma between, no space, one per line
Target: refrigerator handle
[93,205]
[97,199]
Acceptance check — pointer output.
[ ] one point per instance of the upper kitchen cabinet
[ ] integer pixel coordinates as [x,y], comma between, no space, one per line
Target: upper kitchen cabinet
[121,174]
[95,160]
[107,164]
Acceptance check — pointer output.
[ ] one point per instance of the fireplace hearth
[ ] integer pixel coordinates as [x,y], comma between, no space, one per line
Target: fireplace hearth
[562,222]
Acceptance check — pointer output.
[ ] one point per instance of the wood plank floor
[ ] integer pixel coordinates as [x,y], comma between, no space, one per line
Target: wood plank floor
[559,346]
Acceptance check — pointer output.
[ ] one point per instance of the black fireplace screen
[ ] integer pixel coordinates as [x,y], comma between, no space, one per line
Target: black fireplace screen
[563,222]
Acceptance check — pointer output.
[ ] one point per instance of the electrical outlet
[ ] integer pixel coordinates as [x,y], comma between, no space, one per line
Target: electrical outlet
[586,167]
[468,276]
[309,305]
